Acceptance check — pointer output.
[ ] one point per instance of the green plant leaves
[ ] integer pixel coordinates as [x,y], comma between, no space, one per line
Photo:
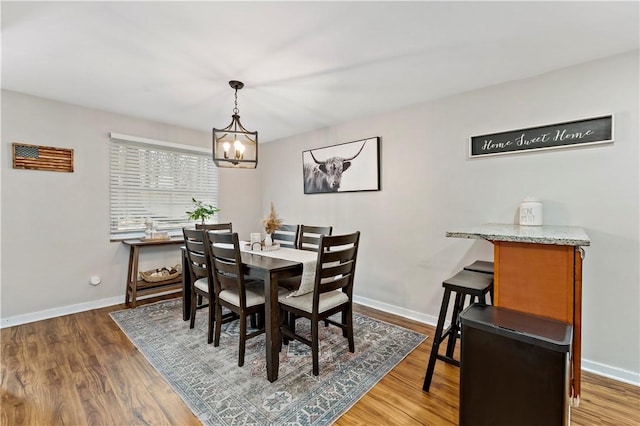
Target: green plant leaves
[202,211]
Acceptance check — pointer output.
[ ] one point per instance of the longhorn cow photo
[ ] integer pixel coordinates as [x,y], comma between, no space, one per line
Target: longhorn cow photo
[325,169]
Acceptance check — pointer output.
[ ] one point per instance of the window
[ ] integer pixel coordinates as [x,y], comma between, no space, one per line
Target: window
[157,180]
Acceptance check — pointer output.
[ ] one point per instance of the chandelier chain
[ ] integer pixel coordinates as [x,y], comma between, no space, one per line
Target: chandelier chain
[235,109]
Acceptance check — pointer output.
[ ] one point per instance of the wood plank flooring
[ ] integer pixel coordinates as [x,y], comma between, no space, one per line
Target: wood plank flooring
[82,370]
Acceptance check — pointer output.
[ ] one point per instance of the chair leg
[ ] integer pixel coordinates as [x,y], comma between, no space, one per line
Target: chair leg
[192,321]
[243,338]
[437,338]
[218,324]
[344,321]
[292,322]
[349,329]
[284,322]
[315,346]
[211,320]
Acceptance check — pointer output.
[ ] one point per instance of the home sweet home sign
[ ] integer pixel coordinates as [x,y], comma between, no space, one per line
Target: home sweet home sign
[561,135]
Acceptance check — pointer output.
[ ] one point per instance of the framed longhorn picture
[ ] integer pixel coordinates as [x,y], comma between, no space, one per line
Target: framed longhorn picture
[348,167]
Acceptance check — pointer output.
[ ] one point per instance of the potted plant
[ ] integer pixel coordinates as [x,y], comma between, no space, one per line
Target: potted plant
[202,211]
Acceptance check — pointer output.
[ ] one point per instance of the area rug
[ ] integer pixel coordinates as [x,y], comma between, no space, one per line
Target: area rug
[219,392]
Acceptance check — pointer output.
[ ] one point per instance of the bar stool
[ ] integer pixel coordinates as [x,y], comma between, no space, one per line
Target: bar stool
[483,266]
[463,284]
[480,266]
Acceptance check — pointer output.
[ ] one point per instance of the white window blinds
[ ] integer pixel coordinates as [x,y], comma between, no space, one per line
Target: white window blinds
[157,180]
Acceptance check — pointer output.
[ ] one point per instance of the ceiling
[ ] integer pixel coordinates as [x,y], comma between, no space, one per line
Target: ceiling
[305,65]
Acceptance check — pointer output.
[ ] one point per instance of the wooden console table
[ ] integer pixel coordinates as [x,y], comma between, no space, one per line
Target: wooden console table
[137,286]
[538,270]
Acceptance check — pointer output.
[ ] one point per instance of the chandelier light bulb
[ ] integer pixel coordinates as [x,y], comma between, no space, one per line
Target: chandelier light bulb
[239,149]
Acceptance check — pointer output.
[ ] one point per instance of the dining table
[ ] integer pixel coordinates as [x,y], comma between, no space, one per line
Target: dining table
[270,267]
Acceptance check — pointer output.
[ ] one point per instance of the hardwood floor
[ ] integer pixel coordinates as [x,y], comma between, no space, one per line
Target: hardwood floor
[82,370]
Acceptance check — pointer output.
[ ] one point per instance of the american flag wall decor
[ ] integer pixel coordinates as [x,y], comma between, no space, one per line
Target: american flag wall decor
[36,157]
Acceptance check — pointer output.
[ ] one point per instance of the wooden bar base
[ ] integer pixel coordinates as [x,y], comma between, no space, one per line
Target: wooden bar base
[538,270]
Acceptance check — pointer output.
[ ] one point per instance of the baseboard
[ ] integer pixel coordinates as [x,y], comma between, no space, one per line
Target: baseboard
[58,312]
[70,309]
[391,309]
[614,373]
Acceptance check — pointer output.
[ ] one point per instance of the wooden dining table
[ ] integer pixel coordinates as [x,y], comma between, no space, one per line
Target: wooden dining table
[270,270]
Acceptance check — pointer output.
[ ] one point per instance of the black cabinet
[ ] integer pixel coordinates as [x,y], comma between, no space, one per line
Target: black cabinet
[514,368]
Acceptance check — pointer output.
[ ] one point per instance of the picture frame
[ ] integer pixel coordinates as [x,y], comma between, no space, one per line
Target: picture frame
[568,134]
[347,167]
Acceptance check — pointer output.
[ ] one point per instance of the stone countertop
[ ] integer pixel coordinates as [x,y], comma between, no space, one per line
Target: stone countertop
[545,234]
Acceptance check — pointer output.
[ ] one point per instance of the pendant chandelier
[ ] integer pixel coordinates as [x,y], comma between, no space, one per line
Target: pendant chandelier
[235,146]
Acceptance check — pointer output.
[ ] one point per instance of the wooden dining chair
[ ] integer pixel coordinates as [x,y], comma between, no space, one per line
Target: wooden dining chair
[201,283]
[286,236]
[309,238]
[219,227]
[332,293]
[240,296]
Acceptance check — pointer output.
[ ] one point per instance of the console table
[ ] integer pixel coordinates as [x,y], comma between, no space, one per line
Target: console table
[538,270]
[138,287]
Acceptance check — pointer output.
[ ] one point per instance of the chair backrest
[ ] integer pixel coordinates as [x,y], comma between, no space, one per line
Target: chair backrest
[336,265]
[220,227]
[196,253]
[225,261]
[309,238]
[286,236]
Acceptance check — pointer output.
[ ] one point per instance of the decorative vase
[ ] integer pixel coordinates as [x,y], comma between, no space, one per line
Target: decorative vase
[268,242]
[149,228]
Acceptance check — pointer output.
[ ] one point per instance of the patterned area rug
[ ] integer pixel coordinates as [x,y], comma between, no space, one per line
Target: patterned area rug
[220,393]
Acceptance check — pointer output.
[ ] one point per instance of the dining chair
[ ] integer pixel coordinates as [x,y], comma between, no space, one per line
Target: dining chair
[286,236]
[239,295]
[201,283]
[332,293]
[309,238]
[220,227]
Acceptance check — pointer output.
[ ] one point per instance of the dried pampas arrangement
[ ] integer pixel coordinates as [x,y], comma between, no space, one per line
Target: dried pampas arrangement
[272,222]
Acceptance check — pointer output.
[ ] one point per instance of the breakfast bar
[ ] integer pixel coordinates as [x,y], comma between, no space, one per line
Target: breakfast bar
[538,270]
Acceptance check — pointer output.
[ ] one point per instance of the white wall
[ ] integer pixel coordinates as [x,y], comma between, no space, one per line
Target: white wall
[55,226]
[429,186]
